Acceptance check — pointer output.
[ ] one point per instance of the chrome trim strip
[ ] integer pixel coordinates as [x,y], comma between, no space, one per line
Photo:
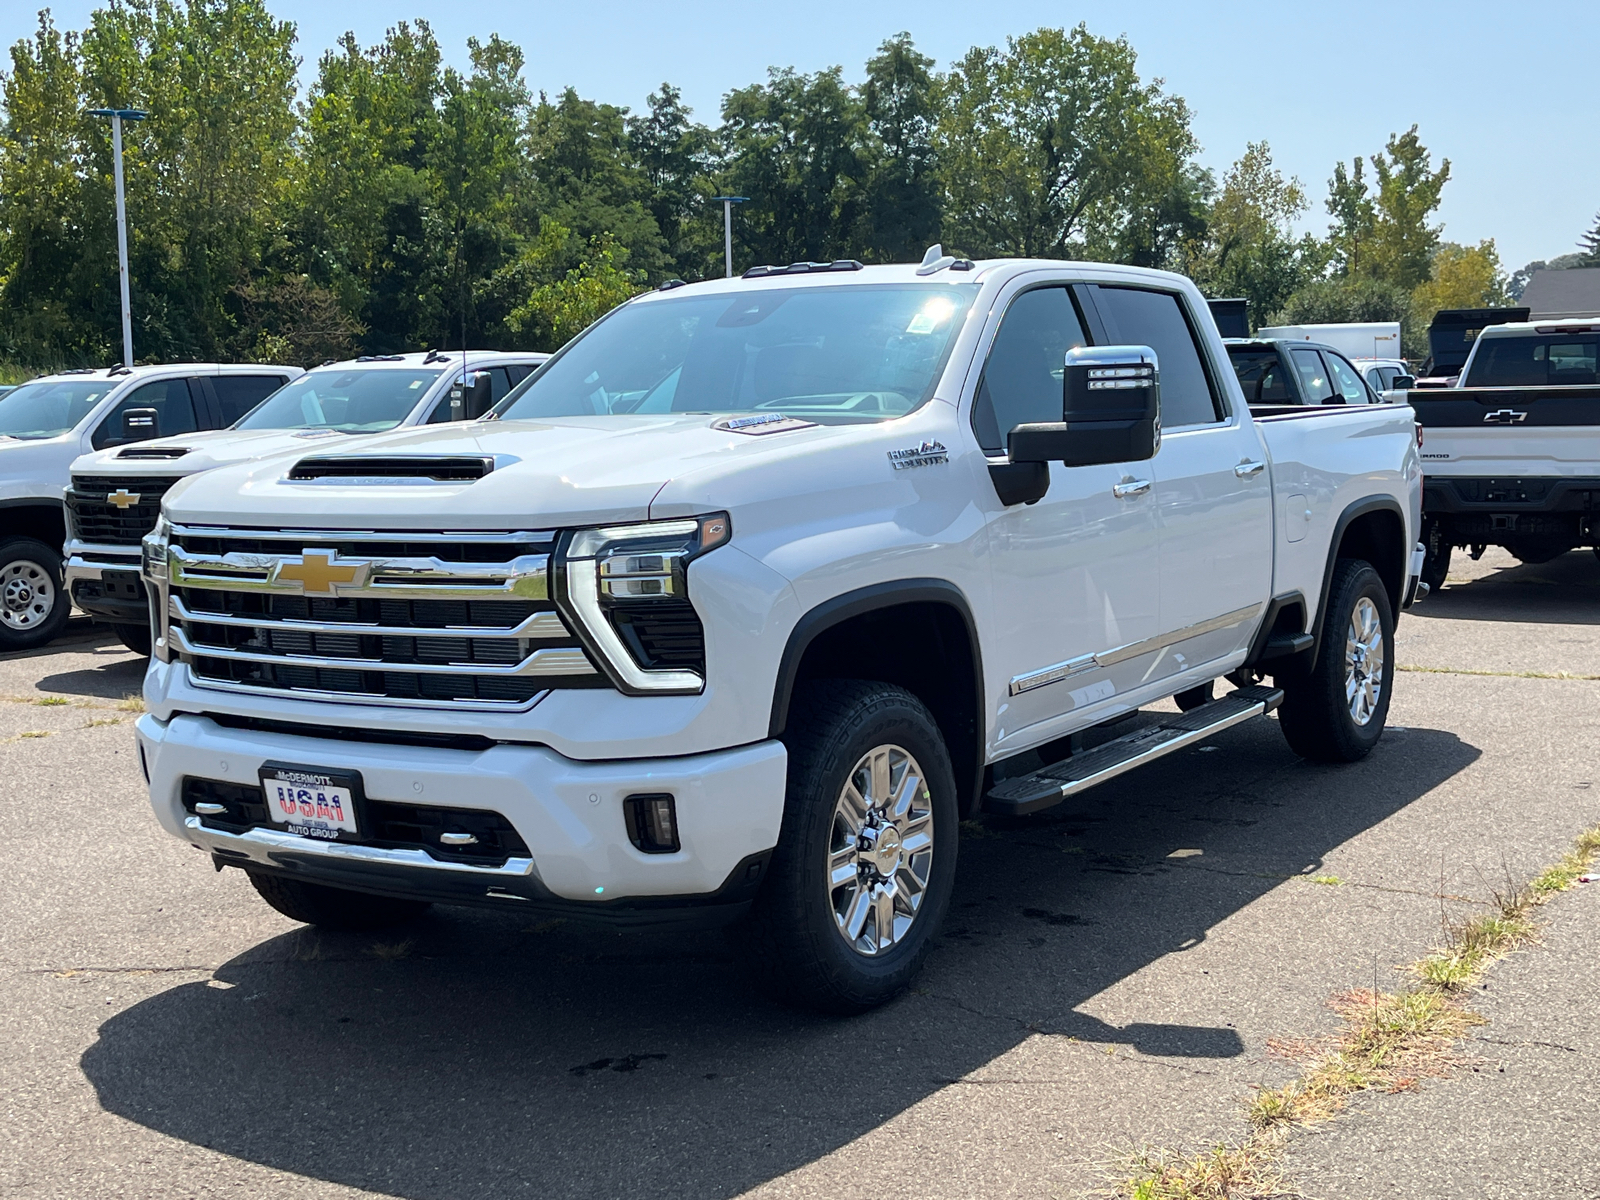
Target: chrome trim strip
[539,626]
[525,577]
[563,660]
[583,592]
[116,550]
[495,538]
[366,698]
[1056,672]
[260,844]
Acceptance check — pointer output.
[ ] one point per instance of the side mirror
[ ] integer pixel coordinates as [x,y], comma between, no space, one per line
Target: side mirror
[140,424]
[1110,411]
[472,400]
[1402,383]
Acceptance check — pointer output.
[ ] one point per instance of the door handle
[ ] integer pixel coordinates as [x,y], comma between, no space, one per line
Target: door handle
[1130,487]
[1249,470]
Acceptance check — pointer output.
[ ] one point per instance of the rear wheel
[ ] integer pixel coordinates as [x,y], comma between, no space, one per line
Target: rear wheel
[1436,555]
[331,907]
[864,866]
[135,638]
[33,608]
[1336,712]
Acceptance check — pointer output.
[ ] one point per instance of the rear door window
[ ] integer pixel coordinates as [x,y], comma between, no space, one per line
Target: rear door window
[1313,376]
[1552,359]
[1022,378]
[238,394]
[1137,317]
[169,397]
[1346,380]
[1261,376]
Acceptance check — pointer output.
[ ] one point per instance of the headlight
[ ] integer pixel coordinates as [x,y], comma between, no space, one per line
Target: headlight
[153,551]
[627,589]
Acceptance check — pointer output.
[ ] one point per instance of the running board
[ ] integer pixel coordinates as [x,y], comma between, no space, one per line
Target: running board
[1042,789]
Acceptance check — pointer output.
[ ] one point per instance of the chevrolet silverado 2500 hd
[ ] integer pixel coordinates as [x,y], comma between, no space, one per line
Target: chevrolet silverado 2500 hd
[47,422]
[1512,454]
[737,606]
[116,493]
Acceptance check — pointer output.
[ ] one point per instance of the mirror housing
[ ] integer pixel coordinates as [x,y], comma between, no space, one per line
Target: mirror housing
[469,402]
[140,424]
[1110,411]
[1402,383]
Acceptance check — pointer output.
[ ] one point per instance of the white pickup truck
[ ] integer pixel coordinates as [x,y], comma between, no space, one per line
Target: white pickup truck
[49,421]
[739,605]
[116,493]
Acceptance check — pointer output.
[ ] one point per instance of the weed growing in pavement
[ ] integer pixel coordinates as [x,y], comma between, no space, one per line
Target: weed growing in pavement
[1389,1042]
[52,701]
[1498,674]
[33,733]
[131,703]
[98,721]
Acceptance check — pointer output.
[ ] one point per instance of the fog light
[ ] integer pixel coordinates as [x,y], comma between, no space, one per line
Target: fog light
[652,823]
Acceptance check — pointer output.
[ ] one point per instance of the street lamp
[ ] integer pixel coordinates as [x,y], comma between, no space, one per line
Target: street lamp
[118,116]
[727,227]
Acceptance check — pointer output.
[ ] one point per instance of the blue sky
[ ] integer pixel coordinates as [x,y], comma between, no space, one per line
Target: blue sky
[1507,93]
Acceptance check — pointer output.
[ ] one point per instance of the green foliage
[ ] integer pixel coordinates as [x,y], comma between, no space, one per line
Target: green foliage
[1054,141]
[1589,245]
[900,101]
[563,308]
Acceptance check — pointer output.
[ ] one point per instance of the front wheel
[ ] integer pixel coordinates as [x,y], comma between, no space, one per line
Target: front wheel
[134,637]
[33,608]
[1336,712]
[866,859]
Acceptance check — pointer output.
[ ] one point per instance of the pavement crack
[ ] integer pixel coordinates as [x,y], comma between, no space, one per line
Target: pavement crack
[1527,1042]
[1192,865]
[67,972]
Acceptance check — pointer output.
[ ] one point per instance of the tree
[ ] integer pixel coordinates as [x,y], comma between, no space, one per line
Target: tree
[1249,248]
[1053,136]
[1408,192]
[1354,217]
[1461,277]
[901,212]
[1589,245]
[1334,301]
[794,147]
[557,310]
[677,156]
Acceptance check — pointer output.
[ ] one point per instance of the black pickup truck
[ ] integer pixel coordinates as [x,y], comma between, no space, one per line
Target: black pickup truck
[1274,371]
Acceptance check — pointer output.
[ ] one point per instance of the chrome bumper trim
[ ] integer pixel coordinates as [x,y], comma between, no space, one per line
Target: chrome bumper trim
[260,845]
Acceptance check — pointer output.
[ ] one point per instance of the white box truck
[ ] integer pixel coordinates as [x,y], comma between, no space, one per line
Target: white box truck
[1353,339]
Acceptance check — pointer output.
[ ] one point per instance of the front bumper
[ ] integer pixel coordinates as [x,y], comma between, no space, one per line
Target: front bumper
[570,814]
[104,582]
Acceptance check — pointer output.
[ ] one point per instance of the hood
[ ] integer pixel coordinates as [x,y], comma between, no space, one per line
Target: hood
[546,474]
[36,466]
[207,449]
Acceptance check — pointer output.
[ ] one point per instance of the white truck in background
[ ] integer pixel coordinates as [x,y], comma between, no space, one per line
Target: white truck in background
[115,493]
[733,611]
[1355,340]
[48,422]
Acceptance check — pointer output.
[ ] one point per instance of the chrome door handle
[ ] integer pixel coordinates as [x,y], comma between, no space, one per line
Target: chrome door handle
[1130,487]
[1249,470]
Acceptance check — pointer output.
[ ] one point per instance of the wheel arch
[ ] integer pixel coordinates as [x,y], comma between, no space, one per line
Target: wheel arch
[916,633]
[43,520]
[1374,529]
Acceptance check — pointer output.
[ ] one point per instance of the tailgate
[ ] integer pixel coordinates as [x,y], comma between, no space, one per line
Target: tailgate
[1515,431]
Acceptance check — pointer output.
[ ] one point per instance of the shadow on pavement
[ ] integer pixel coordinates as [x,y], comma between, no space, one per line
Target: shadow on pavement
[483,1054]
[1559,592]
[121,675]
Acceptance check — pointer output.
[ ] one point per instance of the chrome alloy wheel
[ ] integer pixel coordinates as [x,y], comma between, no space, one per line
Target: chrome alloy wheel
[27,594]
[880,851]
[1363,662]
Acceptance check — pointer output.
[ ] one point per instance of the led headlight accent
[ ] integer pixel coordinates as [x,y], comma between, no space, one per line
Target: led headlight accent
[153,551]
[628,587]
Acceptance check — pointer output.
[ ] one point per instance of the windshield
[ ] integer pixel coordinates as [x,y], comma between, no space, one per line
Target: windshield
[1531,361]
[49,406]
[360,400]
[833,355]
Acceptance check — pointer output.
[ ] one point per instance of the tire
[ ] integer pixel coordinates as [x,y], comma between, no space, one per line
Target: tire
[1532,552]
[1436,556]
[333,908]
[1316,716]
[1193,698]
[134,637]
[816,933]
[33,607]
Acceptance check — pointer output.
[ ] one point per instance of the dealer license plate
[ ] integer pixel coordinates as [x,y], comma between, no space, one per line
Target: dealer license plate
[311,802]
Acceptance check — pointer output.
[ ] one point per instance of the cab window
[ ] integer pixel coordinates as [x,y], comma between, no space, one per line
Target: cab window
[1313,376]
[169,397]
[1138,317]
[1346,380]
[1022,378]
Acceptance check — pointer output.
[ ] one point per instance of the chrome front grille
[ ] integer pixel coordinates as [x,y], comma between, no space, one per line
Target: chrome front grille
[452,620]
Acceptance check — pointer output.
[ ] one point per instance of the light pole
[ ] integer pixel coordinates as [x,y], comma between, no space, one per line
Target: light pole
[727,227]
[118,116]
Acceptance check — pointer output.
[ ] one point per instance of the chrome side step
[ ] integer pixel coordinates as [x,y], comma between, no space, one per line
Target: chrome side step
[1042,789]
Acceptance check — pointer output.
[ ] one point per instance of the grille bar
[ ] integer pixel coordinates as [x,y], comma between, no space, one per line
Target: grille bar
[524,577]
[561,660]
[540,626]
[452,536]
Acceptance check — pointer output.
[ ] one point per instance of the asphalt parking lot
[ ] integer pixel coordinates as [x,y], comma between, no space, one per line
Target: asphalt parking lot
[1111,975]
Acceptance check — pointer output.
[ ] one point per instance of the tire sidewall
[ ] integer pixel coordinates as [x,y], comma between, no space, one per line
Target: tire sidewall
[49,561]
[1361,582]
[818,769]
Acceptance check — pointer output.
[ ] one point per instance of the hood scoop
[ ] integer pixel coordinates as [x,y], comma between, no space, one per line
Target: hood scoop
[165,452]
[392,469]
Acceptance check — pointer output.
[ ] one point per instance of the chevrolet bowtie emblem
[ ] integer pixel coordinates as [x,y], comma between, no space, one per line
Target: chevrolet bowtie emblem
[318,574]
[1505,416]
[123,499]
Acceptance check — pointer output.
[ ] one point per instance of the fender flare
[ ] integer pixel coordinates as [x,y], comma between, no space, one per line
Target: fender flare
[848,605]
[1351,514]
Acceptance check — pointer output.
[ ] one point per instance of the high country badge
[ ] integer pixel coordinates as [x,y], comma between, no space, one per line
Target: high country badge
[925,455]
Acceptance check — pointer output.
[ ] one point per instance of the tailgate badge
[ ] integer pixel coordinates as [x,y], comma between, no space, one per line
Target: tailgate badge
[318,574]
[1505,416]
